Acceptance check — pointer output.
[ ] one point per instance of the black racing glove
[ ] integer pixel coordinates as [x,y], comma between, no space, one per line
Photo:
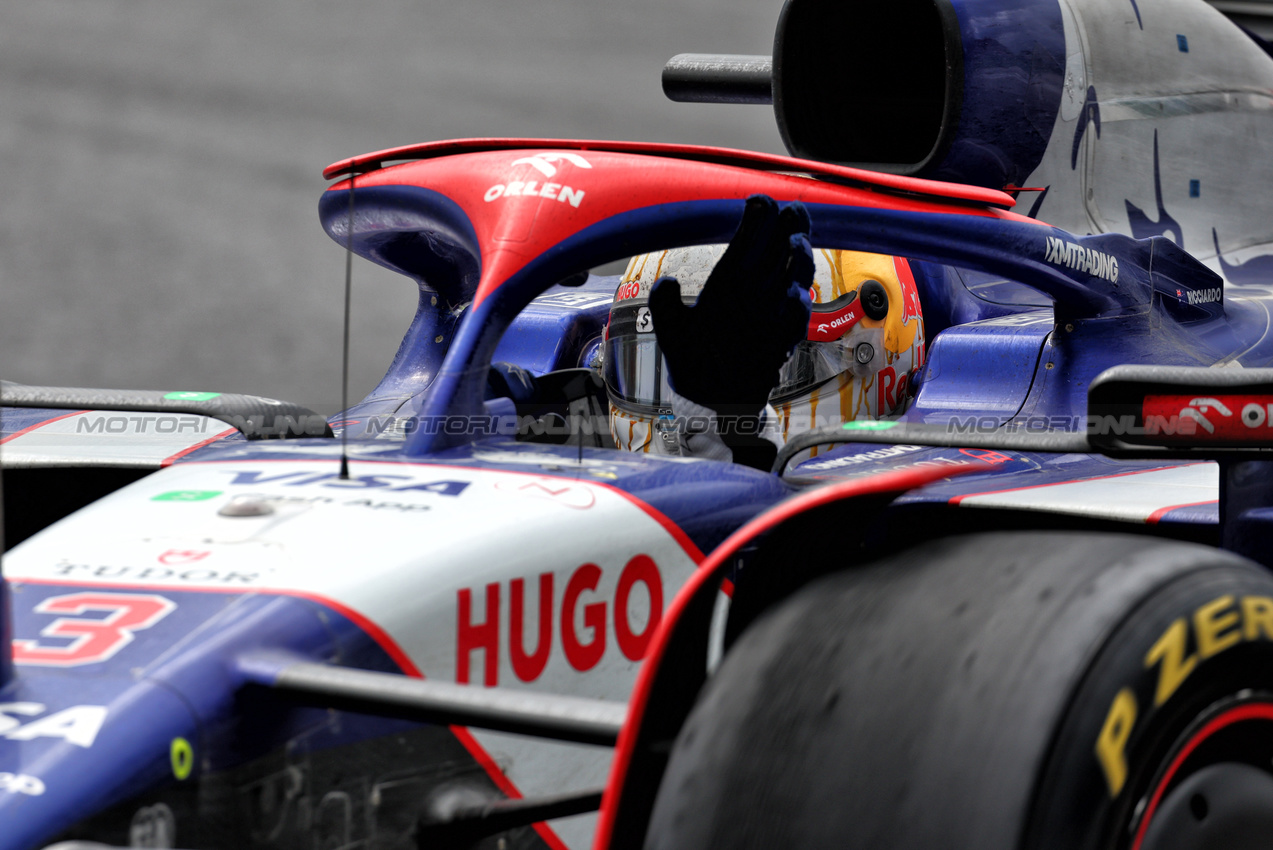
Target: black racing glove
[725,352]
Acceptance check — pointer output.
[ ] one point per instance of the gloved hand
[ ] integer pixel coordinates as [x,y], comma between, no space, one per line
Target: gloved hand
[725,352]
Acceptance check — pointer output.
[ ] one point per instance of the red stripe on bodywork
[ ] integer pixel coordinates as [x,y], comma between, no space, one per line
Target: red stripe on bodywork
[689,546]
[708,574]
[462,734]
[165,462]
[482,757]
[168,461]
[955,500]
[1157,515]
[390,648]
[39,425]
[677,533]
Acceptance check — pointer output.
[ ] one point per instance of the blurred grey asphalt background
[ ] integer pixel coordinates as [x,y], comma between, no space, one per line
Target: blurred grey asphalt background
[161,163]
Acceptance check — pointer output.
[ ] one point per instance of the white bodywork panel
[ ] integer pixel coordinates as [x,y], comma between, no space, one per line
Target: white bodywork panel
[1129,497]
[109,438]
[400,545]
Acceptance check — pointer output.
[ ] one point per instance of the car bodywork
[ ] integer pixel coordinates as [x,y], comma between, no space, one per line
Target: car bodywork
[147,700]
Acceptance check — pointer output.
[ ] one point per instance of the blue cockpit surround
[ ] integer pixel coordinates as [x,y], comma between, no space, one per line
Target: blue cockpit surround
[412,230]
[450,345]
[457,393]
[1087,277]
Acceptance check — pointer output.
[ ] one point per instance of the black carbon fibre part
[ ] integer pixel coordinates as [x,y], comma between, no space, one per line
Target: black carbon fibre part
[256,417]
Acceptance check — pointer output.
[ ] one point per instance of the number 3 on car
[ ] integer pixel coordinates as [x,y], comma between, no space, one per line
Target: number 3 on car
[93,638]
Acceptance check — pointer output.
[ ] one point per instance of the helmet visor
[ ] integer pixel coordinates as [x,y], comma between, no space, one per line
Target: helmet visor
[810,365]
[635,373]
[814,363]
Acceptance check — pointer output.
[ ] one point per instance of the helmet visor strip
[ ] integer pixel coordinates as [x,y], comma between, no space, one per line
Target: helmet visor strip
[633,366]
[814,363]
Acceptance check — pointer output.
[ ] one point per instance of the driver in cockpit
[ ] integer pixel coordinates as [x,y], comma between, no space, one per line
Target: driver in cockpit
[722,351]
[767,339]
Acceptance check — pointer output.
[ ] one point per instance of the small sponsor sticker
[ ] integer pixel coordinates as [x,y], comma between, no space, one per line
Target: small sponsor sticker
[175,557]
[183,395]
[825,327]
[1061,252]
[628,289]
[552,489]
[181,754]
[1201,296]
[543,162]
[186,496]
[868,425]
[1209,419]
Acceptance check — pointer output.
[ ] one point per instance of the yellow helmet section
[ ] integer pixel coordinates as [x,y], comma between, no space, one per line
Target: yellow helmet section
[848,270]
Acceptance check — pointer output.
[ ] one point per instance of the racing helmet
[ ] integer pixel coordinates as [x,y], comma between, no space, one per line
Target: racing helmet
[865,338]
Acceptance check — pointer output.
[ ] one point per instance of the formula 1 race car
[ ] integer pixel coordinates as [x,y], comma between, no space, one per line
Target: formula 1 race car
[1023,603]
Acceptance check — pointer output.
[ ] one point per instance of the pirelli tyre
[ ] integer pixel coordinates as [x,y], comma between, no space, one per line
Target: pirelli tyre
[1006,690]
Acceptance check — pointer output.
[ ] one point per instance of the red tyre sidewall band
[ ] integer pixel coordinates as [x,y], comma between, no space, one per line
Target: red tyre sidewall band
[1259,710]
[1193,659]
